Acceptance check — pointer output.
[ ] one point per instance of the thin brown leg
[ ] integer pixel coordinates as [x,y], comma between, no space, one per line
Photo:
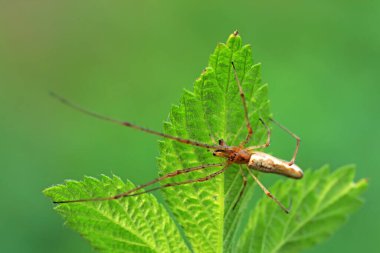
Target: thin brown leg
[294,136]
[249,127]
[267,143]
[242,190]
[131,125]
[169,175]
[197,180]
[286,210]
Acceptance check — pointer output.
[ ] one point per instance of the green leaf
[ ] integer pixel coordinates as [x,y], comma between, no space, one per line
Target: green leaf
[138,224]
[213,111]
[322,202]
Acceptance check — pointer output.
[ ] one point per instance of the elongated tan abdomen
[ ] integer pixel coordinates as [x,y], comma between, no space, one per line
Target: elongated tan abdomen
[269,164]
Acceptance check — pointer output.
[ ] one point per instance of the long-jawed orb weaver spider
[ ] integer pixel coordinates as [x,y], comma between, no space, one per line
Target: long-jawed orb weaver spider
[254,160]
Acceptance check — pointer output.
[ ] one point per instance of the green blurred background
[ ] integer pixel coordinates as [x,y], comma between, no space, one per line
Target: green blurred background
[131,60]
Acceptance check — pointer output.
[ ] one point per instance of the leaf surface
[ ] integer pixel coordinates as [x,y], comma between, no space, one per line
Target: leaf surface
[137,224]
[322,201]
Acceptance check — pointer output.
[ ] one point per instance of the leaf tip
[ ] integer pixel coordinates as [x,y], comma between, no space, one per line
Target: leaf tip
[362,183]
[234,41]
[47,191]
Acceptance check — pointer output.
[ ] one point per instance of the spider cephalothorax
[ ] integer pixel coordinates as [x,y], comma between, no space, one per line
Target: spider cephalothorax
[234,154]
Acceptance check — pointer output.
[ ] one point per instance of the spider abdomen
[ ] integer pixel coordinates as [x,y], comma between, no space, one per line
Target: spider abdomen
[269,164]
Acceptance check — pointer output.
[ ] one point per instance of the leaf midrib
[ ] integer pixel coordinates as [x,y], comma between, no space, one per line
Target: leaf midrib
[236,217]
[222,193]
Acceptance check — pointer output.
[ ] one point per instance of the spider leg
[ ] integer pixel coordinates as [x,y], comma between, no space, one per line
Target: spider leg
[286,210]
[241,92]
[242,190]
[197,180]
[267,143]
[298,140]
[131,125]
[130,192]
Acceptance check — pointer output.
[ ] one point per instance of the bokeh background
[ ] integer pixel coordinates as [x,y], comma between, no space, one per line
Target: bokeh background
[132,59]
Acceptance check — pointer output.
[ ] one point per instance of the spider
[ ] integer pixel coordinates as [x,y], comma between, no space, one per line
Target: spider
[241,154]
